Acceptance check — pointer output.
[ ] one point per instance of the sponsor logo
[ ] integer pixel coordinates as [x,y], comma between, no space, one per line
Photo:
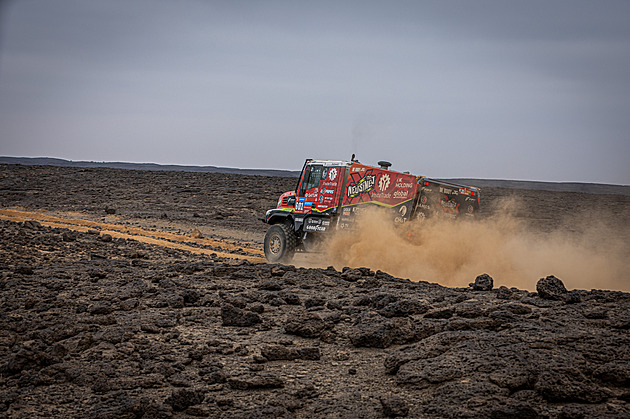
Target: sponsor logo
[328,191]
[316,225]
[332,174]
[383,182]
[403,183]
[381,195]
[366,184]
[311,194]
[402,211]
[315,228]
[446,191]
[424,199]
[449,205]
[401,194]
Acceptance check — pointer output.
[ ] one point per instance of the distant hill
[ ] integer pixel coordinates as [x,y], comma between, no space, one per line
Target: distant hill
[594,188]
[48,161]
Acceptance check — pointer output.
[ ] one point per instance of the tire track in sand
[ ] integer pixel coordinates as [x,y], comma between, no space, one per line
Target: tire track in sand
[158,238]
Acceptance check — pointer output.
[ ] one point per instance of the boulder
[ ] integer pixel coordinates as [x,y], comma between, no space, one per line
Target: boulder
[483,282]
[551,288]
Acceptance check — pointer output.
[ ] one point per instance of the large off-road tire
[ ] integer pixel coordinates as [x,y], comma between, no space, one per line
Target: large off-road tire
[280,243]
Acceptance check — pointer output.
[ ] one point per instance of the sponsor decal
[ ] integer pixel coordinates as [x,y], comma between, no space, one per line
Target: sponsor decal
[316,225]
[346,211]
[321,198]
[401,194]
[403,183]
[383,182]
[381,195]
[424,199]
[311,194]
[301,199]
[328,191]
[332,174]
[403,211]
[446,191]
[449,206]
[365,185]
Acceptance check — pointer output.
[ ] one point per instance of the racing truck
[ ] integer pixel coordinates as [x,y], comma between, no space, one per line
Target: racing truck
[331,193]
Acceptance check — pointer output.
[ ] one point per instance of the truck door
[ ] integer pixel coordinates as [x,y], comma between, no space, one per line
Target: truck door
[320,189]
[309,187]
[328,194]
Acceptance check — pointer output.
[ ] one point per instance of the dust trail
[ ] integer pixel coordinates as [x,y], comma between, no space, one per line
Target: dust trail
[454,252]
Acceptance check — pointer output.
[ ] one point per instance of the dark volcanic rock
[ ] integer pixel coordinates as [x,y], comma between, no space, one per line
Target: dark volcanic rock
[279,352]
[394,406]
[373,330]
[569,385]
[263,380]
[184,398]
[234,316]
[551,288]
[404,308]
[483,282]
[305,324]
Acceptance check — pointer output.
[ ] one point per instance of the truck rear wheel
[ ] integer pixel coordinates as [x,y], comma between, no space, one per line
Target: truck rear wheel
[280,243]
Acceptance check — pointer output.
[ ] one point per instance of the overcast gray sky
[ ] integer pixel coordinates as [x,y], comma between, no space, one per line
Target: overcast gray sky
[536,90]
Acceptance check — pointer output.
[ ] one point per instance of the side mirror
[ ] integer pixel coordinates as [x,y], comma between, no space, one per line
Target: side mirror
[291,201]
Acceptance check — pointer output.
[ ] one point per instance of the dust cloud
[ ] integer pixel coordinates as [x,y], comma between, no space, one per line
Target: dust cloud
[585,252]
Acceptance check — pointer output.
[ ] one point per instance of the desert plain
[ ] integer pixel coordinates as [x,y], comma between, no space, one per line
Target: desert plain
[130,294]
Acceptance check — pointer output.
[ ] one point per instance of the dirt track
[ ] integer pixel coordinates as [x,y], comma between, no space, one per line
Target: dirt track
[110,315]
[196,245]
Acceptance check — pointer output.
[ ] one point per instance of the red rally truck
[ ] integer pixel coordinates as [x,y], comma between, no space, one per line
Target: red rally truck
[331,193]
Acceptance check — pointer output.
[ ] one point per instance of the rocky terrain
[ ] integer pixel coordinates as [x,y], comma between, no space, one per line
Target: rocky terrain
[98,325]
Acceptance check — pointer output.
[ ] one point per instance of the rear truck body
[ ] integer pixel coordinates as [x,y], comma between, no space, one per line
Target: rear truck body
[331,193]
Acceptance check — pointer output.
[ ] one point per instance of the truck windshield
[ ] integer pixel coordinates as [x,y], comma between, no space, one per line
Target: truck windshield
[312,176]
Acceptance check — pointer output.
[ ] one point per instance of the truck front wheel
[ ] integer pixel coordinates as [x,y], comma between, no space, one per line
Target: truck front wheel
[279,243]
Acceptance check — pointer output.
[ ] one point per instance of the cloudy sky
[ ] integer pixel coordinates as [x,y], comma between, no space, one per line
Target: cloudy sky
[536,90]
